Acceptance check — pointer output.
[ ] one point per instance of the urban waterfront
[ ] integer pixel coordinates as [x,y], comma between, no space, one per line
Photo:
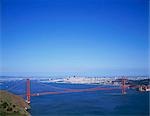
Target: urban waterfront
[105,102]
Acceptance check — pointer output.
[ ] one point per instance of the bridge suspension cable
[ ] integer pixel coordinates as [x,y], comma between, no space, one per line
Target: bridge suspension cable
[58,88]
[14,86]
[68,89]
[72,91]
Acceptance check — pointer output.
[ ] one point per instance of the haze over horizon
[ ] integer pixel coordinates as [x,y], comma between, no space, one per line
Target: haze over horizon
[77,37]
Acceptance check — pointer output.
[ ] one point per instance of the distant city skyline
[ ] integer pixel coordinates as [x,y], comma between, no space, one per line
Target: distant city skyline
[74,37]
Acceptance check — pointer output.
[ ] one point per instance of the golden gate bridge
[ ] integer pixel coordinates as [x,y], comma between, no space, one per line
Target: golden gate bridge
[67,90]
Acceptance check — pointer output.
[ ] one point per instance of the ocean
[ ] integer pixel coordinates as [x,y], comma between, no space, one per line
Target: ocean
[96,103]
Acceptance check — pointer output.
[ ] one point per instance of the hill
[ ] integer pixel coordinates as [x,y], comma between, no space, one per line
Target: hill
[12,105]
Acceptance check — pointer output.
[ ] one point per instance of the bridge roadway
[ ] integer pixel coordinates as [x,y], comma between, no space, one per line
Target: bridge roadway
[68,90]
[73,91]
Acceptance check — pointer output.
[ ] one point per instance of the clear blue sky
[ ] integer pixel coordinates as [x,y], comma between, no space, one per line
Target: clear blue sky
[74,37]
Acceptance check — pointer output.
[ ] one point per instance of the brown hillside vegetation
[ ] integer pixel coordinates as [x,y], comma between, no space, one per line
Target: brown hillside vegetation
[12,105]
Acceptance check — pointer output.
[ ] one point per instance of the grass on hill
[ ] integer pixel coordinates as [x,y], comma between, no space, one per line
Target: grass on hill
[12,105]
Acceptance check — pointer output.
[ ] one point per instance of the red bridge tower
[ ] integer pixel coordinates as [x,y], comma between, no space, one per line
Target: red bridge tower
[28,94]
[123,86]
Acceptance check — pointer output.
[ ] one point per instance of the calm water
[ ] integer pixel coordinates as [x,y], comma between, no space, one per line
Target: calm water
[98,103]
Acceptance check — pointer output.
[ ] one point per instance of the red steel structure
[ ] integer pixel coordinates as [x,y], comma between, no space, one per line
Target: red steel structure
[28,91]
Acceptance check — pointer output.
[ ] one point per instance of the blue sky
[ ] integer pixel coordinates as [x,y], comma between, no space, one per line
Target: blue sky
[74,37]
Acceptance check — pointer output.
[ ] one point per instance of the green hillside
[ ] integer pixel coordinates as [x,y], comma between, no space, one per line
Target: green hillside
[12,105]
